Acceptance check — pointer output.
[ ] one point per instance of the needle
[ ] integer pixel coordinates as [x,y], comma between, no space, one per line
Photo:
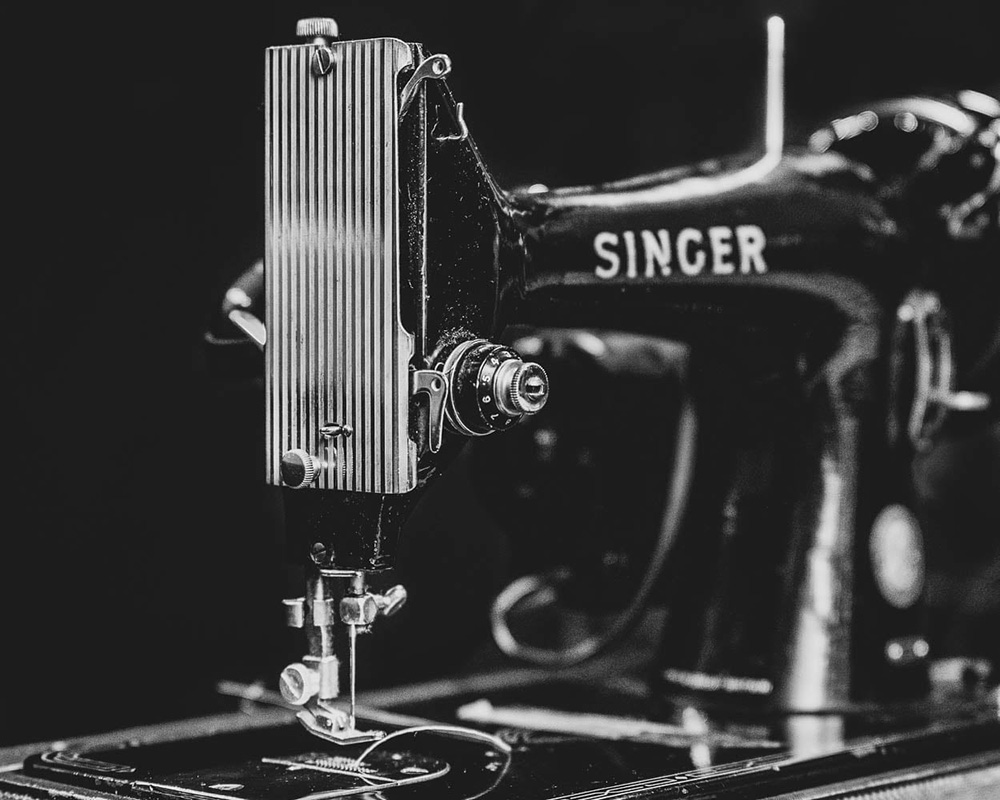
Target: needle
[352,631]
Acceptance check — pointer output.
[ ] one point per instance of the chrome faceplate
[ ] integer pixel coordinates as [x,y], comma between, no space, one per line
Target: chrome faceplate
[337,352]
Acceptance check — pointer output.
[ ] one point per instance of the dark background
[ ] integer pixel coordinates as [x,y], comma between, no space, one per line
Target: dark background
[139,563]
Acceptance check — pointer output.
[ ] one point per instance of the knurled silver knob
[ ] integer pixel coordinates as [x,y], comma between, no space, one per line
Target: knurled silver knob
[529,388]
[298,469]
[522,387]
[314,27]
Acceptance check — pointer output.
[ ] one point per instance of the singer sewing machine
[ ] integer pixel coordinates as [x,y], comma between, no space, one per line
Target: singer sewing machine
[784,285]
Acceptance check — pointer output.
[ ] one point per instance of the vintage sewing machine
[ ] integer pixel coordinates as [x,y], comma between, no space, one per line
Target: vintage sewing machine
[781,302]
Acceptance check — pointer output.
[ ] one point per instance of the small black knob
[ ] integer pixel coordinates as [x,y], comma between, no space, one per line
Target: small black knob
[298,469]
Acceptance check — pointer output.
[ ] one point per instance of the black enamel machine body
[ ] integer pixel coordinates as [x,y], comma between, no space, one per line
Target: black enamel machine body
[797,285]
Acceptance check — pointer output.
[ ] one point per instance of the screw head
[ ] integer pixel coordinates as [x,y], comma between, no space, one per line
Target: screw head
[322,61]
[298,684]
[318,553]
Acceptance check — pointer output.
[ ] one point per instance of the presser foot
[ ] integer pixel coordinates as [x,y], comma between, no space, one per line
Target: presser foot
[335,725]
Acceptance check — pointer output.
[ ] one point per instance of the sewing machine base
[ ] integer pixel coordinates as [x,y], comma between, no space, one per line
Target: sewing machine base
[955,755]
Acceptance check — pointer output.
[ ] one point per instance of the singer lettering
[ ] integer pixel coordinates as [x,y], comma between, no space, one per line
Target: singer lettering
[720,250]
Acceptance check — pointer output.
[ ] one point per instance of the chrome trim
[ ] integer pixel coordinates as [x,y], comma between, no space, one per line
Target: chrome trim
[433,67]
[774,103]
[250,325]
[922,316]
[709,185]
[463,128]
[435,386]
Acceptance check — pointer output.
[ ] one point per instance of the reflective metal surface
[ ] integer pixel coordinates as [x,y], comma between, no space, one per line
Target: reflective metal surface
[337,351]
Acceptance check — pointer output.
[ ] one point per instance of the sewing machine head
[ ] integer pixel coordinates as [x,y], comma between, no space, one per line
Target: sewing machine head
[393,260]
[378,358]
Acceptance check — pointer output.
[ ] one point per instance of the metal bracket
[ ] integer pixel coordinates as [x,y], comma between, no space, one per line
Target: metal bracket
[463,129]
[435,67]
[934,394]
[435,384]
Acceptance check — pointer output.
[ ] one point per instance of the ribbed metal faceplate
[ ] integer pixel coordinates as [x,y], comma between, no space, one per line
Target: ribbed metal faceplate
[336,350]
